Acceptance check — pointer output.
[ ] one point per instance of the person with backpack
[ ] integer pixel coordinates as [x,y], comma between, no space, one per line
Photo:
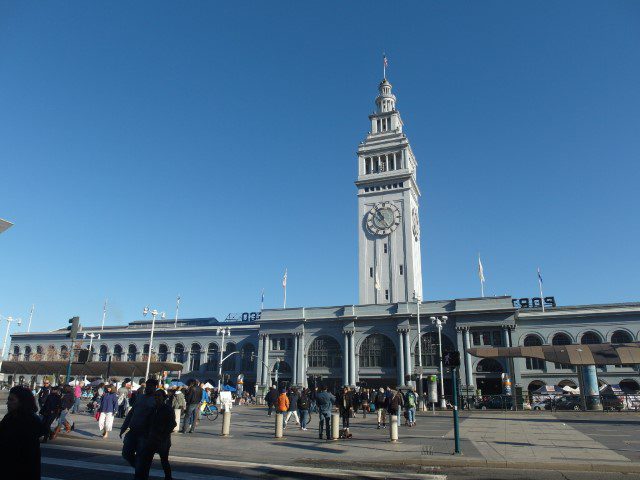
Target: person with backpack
[396,404]
[270,398]
[410,402]
[293,407]
[304,404]
[325,401]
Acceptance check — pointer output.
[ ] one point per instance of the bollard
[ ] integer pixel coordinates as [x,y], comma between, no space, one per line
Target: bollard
[393,428]
[335,426]
[226,422]
[279,420]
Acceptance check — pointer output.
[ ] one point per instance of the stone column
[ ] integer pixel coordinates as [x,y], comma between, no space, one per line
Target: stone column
[295,359]
[506,343]
[467,358]
[591,391]
[407,353]
[266,376]
[345,358]
[302,368]
[258,364]
[400,358]
[352,359]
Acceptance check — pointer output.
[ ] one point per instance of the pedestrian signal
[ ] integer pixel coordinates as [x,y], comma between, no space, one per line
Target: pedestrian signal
[451,359]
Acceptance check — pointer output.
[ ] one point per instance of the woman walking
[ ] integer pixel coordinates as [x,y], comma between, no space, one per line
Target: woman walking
[108,408]
[303,407]
[178,403]
[20,431]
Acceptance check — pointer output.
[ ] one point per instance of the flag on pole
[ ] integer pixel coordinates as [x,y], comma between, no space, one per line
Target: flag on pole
[284,279]
[539,276]
[262,300]
[481,275]
[377,283]
[540,285]
[385,64]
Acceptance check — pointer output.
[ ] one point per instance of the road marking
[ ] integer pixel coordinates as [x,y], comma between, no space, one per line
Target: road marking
[260,467]
[154,472]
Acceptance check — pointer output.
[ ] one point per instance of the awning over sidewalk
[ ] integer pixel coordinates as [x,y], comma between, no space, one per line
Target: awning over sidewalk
[91,369]
[594,354]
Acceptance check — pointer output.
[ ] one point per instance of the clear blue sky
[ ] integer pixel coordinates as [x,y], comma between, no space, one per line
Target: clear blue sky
[149,149]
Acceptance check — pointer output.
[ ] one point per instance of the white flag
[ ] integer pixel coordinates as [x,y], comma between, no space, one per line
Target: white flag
[284,279]
[377,284]
[480,270]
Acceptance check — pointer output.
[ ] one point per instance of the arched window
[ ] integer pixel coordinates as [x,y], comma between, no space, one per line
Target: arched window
[104,351]
[162,352]
[39,353]
[590,338]
[377,350]
[561,339]
[248,358]
[535,385]
[282,367]
[213,356]
[117,353]
[324,352]
[533,363]
[132,353]
[178,353]
[16,353]
[51,353]
[27,353]
[489,365]
[430,350]
[194,357]
[629,386]
[567,383]
[621,336]
[229,364]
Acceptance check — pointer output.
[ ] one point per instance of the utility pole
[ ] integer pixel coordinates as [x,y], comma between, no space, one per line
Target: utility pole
[73,329]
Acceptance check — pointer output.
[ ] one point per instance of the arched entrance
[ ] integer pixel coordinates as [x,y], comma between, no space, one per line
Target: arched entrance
[629,386]
[324,363]
[535,385]
[281,374]
[489,376]
[378,362]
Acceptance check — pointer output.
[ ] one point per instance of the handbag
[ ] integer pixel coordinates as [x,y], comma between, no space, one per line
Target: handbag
[372,407]
[97,416]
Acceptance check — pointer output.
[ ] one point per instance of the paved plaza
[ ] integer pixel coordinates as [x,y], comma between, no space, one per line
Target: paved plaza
[533,444]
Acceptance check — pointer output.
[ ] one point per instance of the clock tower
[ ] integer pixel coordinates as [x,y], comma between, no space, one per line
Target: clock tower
[390,268]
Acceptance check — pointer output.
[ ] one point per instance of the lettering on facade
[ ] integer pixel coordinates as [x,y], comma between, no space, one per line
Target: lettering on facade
[243,317]
[535,302]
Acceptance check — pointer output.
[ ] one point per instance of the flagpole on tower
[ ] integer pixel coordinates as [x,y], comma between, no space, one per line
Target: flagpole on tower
[262,300]
[384,65]
[481,276]
[284,285]
[104,313]
[175,323]
[540,285]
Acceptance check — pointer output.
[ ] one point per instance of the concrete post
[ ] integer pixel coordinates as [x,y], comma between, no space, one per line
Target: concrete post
[226,422]
[279,425]
[335,426]
[302,372]
[407,354]
[393,428]
[591,391]
[468,373]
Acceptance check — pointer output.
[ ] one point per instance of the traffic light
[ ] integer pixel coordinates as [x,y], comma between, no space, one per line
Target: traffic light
[73,328]
[451,359]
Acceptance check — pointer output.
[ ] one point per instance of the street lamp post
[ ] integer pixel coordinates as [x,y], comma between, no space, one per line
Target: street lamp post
[6,335]
[418,299]
[439,322]
[91,337]
[224,331]
[154,314]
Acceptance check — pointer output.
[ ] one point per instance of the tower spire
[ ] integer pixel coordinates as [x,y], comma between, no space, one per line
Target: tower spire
[385,64]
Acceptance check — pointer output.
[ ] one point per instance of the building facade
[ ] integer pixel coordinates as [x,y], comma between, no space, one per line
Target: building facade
[374,343]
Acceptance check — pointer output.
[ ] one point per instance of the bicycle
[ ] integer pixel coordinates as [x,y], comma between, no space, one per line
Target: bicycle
[210,411]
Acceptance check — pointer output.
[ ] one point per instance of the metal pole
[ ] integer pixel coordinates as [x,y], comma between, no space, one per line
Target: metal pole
[221,359]
[69,362]
[30,317]
[420,388]
[443,403]
[104,314]
[175,324]
[153,325]
[108,368]
[4,344]
[456,421]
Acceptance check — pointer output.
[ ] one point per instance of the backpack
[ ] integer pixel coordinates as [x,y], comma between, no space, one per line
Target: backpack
[303,403]
[411,400]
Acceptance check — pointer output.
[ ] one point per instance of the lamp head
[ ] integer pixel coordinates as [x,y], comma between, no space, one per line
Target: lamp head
[433,319]
[19,321]
[145,311]
[444,319]
[162,315]
[84,335]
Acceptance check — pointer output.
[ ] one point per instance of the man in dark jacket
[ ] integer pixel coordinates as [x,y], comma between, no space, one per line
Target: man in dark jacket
[270,398]
[50,411]
[325,401]
[159,438]
[380,400]
[345,406]
[193,397]
[44,392]
[138,421]
[293,407]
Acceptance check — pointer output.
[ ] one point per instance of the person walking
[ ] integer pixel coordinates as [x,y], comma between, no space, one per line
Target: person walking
[270,398]
[293,407]
[395,404]
[304,404]
[138,422]
[66,408]
[20,432]
[77,395]
[43,393]
[179,404]
[50,411]
[282,404]
[345,406]
[381,408]
[365,401]
[410,402]
[324,402]
[107,409]
[123,399]
[193,397]
[159,438]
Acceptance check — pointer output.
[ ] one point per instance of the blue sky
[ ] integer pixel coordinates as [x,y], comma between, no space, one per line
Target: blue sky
[150,149]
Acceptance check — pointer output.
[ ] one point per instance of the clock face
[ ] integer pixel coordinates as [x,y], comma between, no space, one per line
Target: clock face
[383,218]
